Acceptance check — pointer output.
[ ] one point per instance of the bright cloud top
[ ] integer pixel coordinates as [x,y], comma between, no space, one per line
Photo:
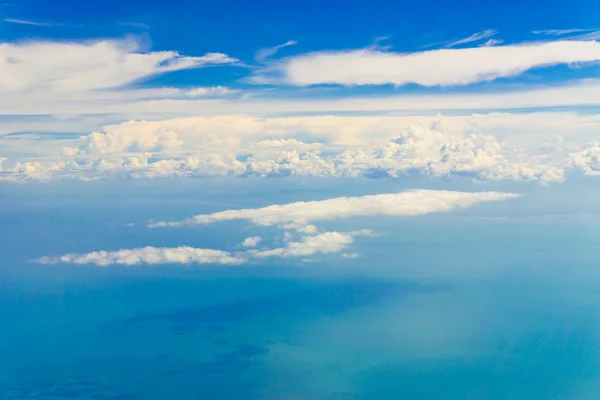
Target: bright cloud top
[307,239]
[443,67]
[411,203]
[481,147]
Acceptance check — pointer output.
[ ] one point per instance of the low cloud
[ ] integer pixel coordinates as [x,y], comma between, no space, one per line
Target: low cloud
[251,241]
[418,202]
[300,240]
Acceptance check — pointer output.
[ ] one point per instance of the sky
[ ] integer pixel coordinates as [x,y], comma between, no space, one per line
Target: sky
[285,173]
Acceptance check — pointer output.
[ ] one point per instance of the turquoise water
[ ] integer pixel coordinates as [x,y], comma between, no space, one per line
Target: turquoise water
[455,307]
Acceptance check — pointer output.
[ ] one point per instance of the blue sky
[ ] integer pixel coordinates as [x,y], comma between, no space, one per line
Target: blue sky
[313,199]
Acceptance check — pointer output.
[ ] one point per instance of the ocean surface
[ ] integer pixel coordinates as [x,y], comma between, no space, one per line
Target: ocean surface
[486,303]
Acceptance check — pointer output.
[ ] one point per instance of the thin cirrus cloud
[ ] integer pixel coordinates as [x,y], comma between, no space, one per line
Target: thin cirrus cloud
[418,202]
[476,37]
[290,217]
[443,67]
[26,22]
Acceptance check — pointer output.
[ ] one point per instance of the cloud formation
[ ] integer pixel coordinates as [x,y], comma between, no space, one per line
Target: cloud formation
[587,160]
[301,238]
[251,241]
[445,67]
[481,147]
[411,203]
[148,255]
[476,37]
[69,67]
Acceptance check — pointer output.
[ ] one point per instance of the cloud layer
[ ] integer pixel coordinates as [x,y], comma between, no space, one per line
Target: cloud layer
[485,147]
[301,239]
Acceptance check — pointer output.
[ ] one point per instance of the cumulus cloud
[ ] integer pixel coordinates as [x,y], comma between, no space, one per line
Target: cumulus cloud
[326,242]
[443,67]
[410,203]
[303,240]
[148,255]
[251,241]
[587,160]
[482,147]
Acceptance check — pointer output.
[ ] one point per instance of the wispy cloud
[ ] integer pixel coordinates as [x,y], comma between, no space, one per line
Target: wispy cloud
[267,52]
[488,33]
[27,22]
[571,34]
[560,32]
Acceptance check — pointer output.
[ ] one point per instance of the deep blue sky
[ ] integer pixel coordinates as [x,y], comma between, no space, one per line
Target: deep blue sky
[241,28]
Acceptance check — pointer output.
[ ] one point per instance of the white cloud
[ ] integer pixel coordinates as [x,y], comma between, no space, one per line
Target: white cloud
[560,32]
[119,141]
[492,42]
[265,53]
[251,241]
[587,160]
[148,255]
[66,67]
[411,203]
[443,67]
[326,242]
[493,146]
[488,33]
[350,255]
[25,22]
[289,216]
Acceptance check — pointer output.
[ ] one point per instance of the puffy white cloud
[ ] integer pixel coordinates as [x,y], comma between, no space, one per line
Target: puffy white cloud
[429,68]
[251,241]
[117,141]
[148,255]
[326,242]
[410,203]
[484,147]
[587,160]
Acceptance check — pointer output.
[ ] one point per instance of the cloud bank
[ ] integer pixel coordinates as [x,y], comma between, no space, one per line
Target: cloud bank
[301,238]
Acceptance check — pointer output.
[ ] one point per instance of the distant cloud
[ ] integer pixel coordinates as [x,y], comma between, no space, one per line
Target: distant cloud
[444,67]
[488,33]
[147,255]
[587,160]
[26,22]
[348,146]
[560,32]
[291,216]
[411,203]
[492,42]
[571,34]
[251,241]
[267,52]
[323,243]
